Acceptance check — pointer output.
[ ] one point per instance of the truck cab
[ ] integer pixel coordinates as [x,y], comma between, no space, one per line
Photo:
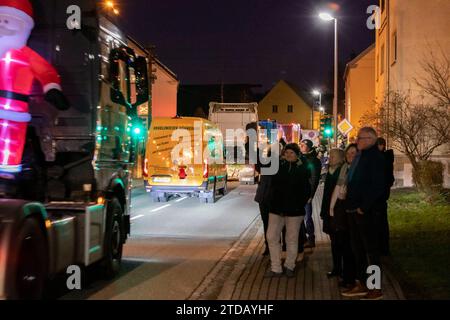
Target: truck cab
[70,204]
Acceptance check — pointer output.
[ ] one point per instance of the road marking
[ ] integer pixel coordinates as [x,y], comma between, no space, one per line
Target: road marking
[160,208]
[179,200]
[137,217]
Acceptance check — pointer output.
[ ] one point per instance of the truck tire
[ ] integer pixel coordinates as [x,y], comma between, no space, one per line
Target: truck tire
[212,195]
[224,190]
[31,259]
[114,239]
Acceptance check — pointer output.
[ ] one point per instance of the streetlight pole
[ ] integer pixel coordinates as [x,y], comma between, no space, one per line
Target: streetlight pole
[336,84]
[329,17]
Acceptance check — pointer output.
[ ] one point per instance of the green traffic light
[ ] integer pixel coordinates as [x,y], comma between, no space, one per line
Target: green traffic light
[137,131]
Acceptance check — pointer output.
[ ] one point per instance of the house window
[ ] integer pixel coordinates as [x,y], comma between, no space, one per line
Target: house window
[394,45]
[378,66]
[290,108]
[274,109]
[382,58]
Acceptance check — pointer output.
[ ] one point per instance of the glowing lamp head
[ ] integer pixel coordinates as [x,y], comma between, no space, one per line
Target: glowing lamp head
[316,93]
[326,16]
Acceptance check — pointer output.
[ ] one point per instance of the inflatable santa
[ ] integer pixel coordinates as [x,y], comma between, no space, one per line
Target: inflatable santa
[19,66]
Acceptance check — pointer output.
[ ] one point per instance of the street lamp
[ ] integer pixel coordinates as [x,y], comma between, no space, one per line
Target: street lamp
[316,93]
[328,17]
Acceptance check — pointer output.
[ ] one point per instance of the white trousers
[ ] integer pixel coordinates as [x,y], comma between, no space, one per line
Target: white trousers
[276,224]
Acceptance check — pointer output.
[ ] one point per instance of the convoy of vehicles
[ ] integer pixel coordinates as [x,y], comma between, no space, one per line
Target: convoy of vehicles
[77,162]
[236,118]
[185,156]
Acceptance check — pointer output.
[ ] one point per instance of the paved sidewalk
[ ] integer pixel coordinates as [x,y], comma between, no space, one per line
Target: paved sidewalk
[246,279]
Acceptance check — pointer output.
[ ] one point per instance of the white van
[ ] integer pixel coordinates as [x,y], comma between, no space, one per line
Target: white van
[236,116]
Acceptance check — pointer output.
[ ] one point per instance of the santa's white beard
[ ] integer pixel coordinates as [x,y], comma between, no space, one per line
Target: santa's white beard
[11,42]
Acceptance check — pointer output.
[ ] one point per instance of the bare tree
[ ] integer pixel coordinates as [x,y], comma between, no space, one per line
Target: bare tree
[418,124]
[435,77]
[415,129]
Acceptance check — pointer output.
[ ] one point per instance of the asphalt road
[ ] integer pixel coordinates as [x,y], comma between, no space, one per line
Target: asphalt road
[174,245]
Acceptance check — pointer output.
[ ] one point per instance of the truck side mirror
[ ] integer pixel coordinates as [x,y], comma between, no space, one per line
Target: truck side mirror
[141,74]
[120,78]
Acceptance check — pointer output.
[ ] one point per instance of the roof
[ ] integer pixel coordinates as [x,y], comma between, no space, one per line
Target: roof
[355,61]
[163,66]
[302,94]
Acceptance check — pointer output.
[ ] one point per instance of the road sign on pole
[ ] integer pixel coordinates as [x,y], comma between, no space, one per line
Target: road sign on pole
[345,127]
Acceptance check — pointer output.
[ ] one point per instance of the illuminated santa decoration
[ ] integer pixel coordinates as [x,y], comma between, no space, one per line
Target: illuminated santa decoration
[19,66]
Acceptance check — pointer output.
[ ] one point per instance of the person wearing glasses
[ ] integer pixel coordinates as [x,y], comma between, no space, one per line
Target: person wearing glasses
[364,203]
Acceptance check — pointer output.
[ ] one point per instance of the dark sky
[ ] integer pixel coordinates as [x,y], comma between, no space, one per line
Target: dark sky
[248,41]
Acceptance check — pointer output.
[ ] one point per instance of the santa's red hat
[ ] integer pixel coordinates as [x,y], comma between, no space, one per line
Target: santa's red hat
[21,9]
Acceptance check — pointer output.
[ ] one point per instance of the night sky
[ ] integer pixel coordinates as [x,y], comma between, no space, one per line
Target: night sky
[248,41]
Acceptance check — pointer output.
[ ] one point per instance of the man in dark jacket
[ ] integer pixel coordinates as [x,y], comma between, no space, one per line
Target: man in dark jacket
[263,196]
[315,168]
[290,191]
[390,179]
[365,198]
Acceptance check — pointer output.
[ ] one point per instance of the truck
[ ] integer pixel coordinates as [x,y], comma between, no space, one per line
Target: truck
[291,133]
[198,170]
[237,116]
[70,203]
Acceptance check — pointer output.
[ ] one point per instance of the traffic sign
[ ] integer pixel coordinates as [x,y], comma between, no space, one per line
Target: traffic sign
[345,127]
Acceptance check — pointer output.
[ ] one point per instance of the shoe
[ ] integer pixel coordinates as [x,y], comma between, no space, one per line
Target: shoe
[373,295]
[266,252]
[345,285]
[357,291]
[272,274]
[332,274]
[289,273]
[310,244]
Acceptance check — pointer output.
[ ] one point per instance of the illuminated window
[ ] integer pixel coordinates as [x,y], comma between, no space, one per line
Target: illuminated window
[274,109]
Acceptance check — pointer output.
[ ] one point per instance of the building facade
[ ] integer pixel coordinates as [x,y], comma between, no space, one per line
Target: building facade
[286,104]
[164,90]
[410,32]
[360,88]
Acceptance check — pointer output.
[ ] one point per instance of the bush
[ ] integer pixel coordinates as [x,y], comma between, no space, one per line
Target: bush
[429,176]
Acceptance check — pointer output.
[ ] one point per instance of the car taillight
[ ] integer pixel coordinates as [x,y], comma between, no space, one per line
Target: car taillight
[182,173]
[145,169]
[205,169]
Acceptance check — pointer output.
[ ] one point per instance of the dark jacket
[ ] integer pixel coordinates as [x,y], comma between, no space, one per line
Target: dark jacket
[390,179]
[315,168]
[263,191]
[366,188]
[290,189]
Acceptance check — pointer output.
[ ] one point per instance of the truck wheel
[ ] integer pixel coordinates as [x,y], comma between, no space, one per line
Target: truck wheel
[224,190]
[164,199]
[114,236]
[31,261]
[212,196]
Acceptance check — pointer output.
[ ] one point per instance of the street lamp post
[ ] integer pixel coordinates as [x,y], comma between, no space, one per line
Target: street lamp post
[329,17]
[319,94]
